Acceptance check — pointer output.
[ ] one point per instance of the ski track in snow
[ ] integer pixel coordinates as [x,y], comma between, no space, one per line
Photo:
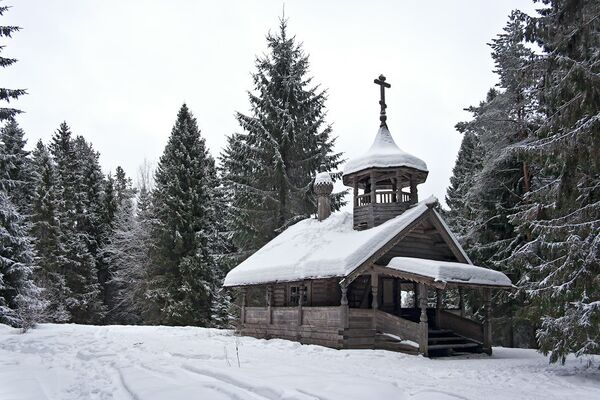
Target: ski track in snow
[69,362]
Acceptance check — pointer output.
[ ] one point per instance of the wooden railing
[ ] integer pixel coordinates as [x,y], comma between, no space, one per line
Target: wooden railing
[462,326]
[287,316]
[403,328]
[382,197]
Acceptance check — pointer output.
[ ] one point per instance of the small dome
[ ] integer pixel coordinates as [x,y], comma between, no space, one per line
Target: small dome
[323,178]
[384,153]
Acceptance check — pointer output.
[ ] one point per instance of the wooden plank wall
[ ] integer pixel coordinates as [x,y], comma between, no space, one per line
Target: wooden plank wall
[422,242]
[320,325]
[320,292]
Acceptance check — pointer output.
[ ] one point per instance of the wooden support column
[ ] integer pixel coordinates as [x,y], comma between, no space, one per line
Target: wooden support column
[300,302]
[344,307]
[398,187]
[355,187]
[243,310]
[269,304]
[373,189]
[415,296]
[414,196]
[487,321]
[423,324]
[375,294]
[461,302]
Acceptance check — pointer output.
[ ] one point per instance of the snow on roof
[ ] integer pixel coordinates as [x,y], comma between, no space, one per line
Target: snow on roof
[311,249]
[450,272]
[384,153]
[323,177]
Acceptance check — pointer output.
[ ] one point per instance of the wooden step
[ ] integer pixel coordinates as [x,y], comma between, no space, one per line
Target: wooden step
[447,339]
[452,346]
[439,332]
[395,346]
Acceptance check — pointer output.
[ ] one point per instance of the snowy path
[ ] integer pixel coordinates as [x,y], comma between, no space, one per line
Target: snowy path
[69,362]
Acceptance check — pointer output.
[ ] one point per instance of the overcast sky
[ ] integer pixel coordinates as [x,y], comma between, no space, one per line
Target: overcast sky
[118,70]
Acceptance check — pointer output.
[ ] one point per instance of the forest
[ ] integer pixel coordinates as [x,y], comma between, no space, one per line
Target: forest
[151,247]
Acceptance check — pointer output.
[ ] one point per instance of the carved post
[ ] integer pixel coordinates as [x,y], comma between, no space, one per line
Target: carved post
[415,296]
[344,307]
[300,301]
[423,325]
[414,196]
[461,302]
[375,293]
[243,311]
[398,188]
[487,321]
[438,306]
[269,304]
[373,189]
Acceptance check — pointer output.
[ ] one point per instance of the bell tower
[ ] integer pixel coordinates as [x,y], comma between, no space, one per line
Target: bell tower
[385,178]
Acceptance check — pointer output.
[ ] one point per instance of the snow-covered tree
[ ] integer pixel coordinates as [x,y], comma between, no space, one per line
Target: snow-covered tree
[461,214]
[268,169]
[125,251]
[79,193]
[15,168]
[492,177]
[20,300]
[182,270]
[8,94]
[46,234]
[560,218]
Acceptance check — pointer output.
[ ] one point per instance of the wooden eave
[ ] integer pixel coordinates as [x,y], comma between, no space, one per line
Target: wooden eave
[366,172]
[429,281]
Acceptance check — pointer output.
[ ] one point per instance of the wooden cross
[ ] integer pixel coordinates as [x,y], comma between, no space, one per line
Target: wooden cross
[382,85]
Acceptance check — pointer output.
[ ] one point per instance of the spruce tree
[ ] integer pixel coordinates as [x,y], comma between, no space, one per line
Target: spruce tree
[124,252]
[15,166]
[461,214]
[268,169]
[561,217]
[46,233]
[20,303]
[182,271]
[501,178]
[8,94]
[79,193]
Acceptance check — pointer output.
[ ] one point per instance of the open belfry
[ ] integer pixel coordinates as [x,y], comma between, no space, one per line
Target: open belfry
[390,275]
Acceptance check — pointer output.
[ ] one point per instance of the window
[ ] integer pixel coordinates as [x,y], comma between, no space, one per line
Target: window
[295,292]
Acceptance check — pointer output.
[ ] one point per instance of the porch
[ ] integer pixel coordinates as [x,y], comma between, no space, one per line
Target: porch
[378,310]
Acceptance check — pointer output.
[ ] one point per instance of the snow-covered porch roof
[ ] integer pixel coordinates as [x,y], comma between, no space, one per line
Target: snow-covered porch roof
[445,274]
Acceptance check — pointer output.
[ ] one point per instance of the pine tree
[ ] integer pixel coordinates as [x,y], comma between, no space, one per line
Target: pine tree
[182,272]
[561,217]
[8,94]
[46,233]
[269,168]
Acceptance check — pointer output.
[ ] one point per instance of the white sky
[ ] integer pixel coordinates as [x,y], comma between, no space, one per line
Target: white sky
[118,70]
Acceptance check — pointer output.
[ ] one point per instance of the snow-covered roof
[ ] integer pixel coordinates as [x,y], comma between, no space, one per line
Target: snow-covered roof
[323,177]
[384,153]
[450,272]
[311,249]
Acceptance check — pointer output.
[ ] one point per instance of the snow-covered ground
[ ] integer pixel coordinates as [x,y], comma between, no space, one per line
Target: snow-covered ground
[119,362]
